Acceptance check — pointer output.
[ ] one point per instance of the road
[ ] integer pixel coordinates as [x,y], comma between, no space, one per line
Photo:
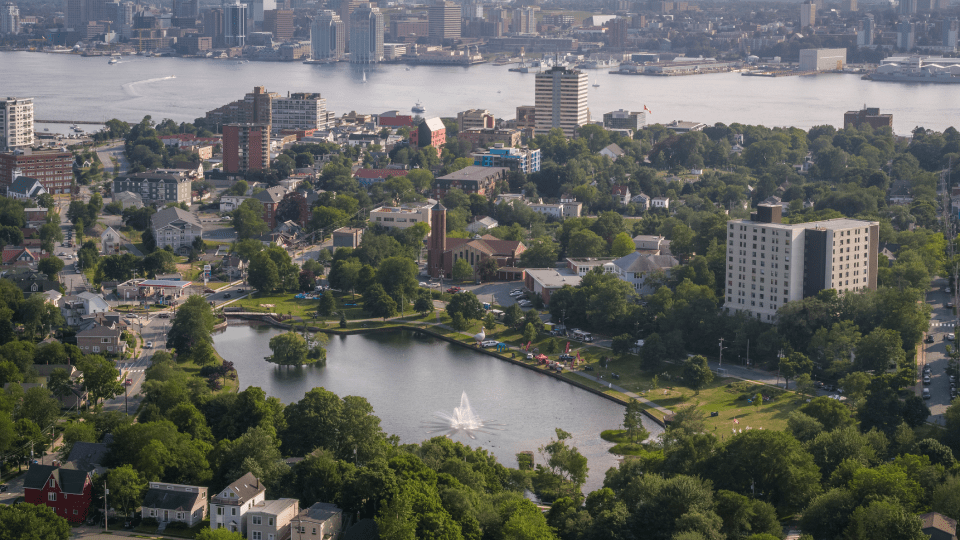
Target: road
[152,329]
[113,150]
[934,354]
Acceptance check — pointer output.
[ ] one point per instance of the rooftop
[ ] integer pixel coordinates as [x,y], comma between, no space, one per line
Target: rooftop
[274,507]
[839,223]
[320,512]
[552,278]
[474,173]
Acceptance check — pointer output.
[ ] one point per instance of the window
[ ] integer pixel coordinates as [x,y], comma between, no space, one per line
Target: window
[51,496]
[257,535]
[233,511]
[219,511]
[270,521]
[53,483]
[256,520]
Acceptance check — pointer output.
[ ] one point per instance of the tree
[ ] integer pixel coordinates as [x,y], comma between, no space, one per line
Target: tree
[423,304]
[327,304]
[263,274]
[622,343]
[458,322]
[344,274]
[159,262]
[879,350]
[378,303]
[248,219]
[652,353]
[462,271]
[218,534]
[697,372]
[398,276]
[622,245]
[51,266]
[306,281]
[829,412]
[60,383]
[487,269]
[586,243]
[25,521]
[884,520]
[100,377]
[39,406]
[794,364]
[127,487]
[633,421]
[192,325]
[466,304]
[541,253]
[289,349]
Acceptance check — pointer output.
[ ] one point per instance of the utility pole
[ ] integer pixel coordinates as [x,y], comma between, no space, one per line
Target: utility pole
[721,354]
[106,517]
[748,352]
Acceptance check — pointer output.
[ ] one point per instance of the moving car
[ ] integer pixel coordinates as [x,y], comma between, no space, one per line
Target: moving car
[164,315]
[228,295]
[128,382]
[453,290]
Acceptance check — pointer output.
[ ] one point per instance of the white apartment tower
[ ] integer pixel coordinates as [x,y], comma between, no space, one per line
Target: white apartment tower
[300,111]
[808,14]
[328,37]
[366,34]
[16,123]
[10,19]
[561,100]
[770,263]
[235,24]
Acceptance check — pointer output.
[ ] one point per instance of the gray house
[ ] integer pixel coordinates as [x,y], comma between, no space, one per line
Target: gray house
[176,228]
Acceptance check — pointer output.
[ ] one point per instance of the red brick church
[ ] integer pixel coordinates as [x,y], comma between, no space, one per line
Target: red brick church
[442,252]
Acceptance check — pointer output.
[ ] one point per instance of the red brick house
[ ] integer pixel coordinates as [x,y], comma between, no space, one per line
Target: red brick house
[67,491]
[270,198]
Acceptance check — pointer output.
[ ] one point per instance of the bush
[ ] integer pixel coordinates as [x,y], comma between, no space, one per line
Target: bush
[177,526]
[149,522]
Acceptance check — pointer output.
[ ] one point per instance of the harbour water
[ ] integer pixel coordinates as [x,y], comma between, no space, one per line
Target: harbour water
[77,88]
[409,380]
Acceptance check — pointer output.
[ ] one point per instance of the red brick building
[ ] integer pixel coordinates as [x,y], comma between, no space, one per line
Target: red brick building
[67,491]
[430,132]
[393,119]
[470,179]
[270,199]
[246,147]
[53,168]
[442,252]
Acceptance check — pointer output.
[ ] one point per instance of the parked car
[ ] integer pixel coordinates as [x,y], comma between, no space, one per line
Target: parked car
[3,487]
[929,338]
[926,393]
[149,345]
[926,379]
[949,337]
[588,368]
[241,290]
[228,295]
[489,343]
[128,382]
[164,315]
[454,290]
[949,304]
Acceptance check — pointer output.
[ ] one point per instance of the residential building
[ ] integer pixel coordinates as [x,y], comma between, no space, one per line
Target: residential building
[906,35]
[849,6]
[949,32]
[808,14]
[866,32]
[401,217]
[229,203]
[484,138]
[567,207]
[907,7]
[68,492]
[523,21]
[155,187]
[300,111]
[368,177]
[279,22]
[561,100]
[16,123]
[430,132]
[110,242]
[660,202]
[481,224]
[444,21]
[36,217]
[641,199]
[176,228]
[635,268]
[74,308]
[546,281]
[25,187]
[650,244]
[525,160]
[442,252]
[9,19]
[235,17]
[228,508]
[328,37]
[938,526]
[870,116]
[32,282]
[471,179]
[526,118]
[322,521]
[186,9]
[255,108]
[270,520]
[246,147]
[233,266]
[621,193]
[102,340]
[366,34]
[612,151]
[347,8]
[621,119]
[475,118]
[174,502]
[771,263]
[84,456]
[270,199]
[23,256]
[348,237]
[681,126]
[53,168]
[581,265]
[822,59]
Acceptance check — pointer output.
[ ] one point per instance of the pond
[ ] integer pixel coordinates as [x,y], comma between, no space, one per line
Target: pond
[409,379]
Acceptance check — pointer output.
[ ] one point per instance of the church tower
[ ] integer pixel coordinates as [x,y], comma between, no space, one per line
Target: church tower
[437,243]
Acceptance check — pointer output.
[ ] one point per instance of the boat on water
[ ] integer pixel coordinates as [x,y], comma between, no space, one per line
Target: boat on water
[917,69]
[113,61]
[596,84]
[418,108]
[364,77]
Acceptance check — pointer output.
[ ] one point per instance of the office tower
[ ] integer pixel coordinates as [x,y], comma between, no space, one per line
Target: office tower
[235,24]
[772,263]
[524,21]
[471,9]
[10,19]
[618,33]
[124,20]
[849,5]
[444,21]
[950,32]
[867,29]
[906,35]
[347,8]
[186,9]
[16,123]
[561,100]
[366,35]
[258,7]
[99,10]
[907,7]
[246,147]
[279,22]
[808,14]
[75,13]
[327,37]
[213,25]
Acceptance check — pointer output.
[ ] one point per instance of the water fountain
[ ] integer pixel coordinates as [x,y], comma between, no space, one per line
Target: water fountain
[463,419]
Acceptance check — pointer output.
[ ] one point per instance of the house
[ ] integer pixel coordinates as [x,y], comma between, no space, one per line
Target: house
[348,237]
[110,242]
[68,492]
[322,521]
[88,457]
[938,526]
[271,519]
[22,256]
[34,283]
[482,224]
[660,202]
[642,200]
[128,199]
[227,508]
[621,193]
[25,187]
[233,266]
[270,198]
[174,502]
[52,297]
[612,151]
[176,228]
[546,281]
[35,217]
[636,267]
[77,396]
[229,203]
[102,340]
[73,308]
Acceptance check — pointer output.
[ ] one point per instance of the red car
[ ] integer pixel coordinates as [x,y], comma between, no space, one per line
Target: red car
[128,382]
[453,290]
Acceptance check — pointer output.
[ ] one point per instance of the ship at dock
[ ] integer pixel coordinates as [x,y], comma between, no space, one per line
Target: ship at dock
[917,69]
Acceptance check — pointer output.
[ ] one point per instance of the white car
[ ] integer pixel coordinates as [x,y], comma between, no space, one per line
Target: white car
[149,345]
[515,292]
[950,337]
[489,343]
[423,284]
[434,284]
[525,303]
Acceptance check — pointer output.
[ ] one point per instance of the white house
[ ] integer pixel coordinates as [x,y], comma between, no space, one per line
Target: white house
[660,202]
[110,242]
[636,267]
[642,199]
[229,203]
[621,193]
[612,151]
[482,224]
[86,303]
[227,508]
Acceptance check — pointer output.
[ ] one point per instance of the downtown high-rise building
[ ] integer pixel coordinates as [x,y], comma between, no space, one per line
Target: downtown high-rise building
[346,15]
[366,35]
[808,14]
[906,35]
[849,6]
[235,24]
[124,20]
[471,9]
[561,100]
[328,37]
[9,19]
[444,21]
[300,111]
[949,32]
[185,9]
[257,8]
[213,26]
[907,7]
[524,21]
[16,123]
[868,28]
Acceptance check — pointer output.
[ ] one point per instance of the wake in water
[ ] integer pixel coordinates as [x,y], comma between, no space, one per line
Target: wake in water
[463,419]
[129,87]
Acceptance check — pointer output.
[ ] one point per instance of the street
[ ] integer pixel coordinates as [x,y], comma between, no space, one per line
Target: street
[934,355]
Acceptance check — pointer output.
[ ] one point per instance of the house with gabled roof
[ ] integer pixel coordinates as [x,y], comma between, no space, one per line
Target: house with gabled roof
[174,502]
[176,228]
[25,187]
[635,268]
[68,492]
[228,508]
[22,256]
[110,241]
[612,151]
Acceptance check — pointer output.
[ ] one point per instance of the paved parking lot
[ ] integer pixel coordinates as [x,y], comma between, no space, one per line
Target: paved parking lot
[495,292]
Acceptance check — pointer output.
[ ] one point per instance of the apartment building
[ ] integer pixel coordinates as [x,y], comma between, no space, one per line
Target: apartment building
[471,179]
[158,188]
[770,263]
[482,138]
[228,508]
[246,147]
[53,168]
[299,111]
[400,217]
[475,118]
[176,228]
[525,160]
[270,520]
[443,21]
[16,123]
[561,100]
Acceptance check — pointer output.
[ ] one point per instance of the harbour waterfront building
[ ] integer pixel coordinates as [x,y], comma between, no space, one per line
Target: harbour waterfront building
[561,100]
[235,24]
[366,34]
[822,59]
[621,119]
[328,37]
[770,263]
[16,123]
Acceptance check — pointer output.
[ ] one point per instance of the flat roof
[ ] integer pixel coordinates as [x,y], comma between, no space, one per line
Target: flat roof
[474,172]
[839,223]
[164,283]
[552,278]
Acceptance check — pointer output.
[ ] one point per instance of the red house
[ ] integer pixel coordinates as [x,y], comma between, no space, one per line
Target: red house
[67,491]
[430,132]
